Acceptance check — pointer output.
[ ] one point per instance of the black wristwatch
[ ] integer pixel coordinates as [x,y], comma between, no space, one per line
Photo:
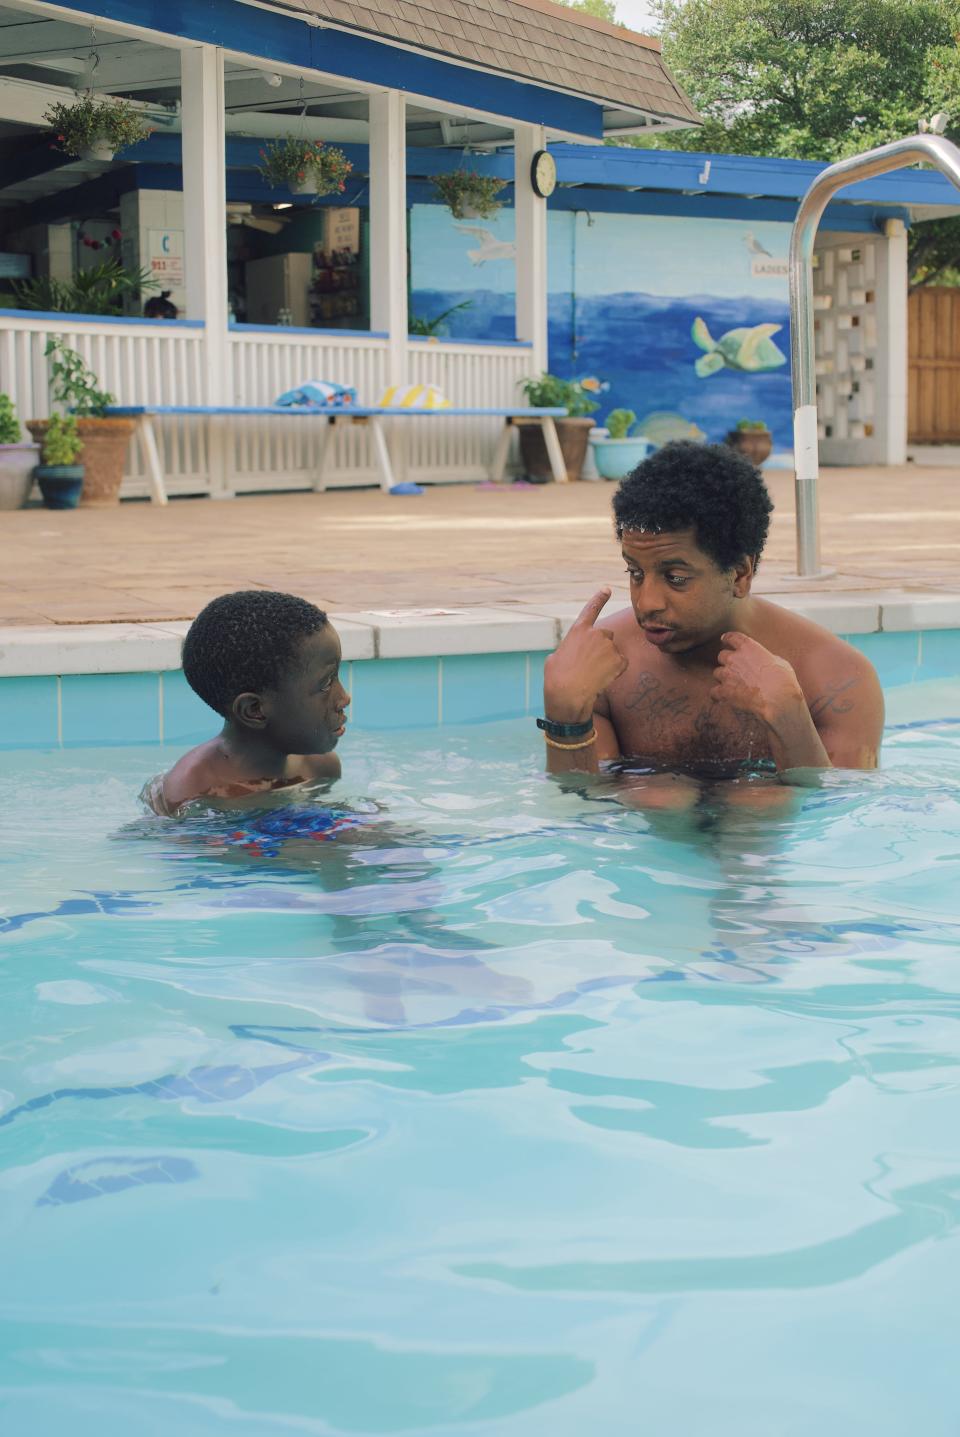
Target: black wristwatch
[565,730]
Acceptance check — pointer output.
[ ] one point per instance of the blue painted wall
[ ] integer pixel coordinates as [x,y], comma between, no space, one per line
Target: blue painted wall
[625,291]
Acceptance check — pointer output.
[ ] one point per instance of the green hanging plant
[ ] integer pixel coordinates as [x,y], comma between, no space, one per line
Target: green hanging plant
[88,123]
[297,163]
[467,194]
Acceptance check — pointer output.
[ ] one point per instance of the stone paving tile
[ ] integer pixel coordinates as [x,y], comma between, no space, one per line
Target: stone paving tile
[453,545]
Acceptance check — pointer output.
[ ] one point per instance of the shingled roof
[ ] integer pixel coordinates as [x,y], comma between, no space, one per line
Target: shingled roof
[529,39]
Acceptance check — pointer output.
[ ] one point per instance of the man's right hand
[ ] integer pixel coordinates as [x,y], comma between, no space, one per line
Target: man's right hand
[582,666]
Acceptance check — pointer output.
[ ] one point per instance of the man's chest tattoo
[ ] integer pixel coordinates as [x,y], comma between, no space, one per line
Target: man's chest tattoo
[653,700]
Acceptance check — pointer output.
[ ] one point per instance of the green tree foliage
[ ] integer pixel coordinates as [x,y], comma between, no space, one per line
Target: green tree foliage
[817,80]
[599,9]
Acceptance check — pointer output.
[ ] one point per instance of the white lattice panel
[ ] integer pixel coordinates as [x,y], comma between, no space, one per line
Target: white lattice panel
[479,377]
[846,333]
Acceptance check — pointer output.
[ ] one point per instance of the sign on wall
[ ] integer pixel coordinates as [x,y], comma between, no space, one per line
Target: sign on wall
[166,258]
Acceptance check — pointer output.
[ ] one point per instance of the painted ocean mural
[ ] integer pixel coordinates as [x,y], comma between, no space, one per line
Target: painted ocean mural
[688,316]
[643,347]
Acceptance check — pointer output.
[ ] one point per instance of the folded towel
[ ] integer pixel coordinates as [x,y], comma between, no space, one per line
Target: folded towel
[414,396]
[317,394]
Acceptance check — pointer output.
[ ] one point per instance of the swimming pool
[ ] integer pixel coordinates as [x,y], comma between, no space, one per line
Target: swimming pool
[529,1113]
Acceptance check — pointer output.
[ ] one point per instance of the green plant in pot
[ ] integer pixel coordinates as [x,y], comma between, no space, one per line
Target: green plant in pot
[467,195]
[753,439]
[74,388]
[548,391]
[619,453]
[95,129]
[304,167]
[59,475]
[17,458]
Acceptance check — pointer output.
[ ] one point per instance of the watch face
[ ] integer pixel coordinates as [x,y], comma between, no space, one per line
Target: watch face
[543,173]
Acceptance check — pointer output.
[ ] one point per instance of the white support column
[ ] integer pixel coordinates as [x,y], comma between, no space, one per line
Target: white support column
[204,209]
[531,234]
[892,287]
[388,228]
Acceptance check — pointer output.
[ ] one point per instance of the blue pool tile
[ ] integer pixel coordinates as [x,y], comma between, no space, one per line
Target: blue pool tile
[535,695]
[110,708]
[939,654]
[894,656]
[395,693]
[483,686]
[28,712]
[186,719]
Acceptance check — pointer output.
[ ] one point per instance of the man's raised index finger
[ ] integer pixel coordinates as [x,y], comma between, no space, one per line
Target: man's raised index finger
[592,609]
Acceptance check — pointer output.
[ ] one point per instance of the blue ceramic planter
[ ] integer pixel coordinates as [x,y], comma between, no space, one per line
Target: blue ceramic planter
[60,484]
[615,458]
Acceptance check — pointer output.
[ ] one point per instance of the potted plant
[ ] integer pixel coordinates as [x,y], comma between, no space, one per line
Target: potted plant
[573,395]
[467,195]
[17,458]
[95,129]
[753,439]
[59,475]
[101,289]
[618,453]
[105,438]
[305,167]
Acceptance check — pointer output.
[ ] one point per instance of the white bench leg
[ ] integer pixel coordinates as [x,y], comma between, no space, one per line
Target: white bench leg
[498,466]
[554,452]
[217,457]
[381,454]
[327,426]
[151,459]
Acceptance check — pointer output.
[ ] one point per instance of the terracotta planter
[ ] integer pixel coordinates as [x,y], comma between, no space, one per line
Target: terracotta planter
[754,444]
[104,454]
[573,435]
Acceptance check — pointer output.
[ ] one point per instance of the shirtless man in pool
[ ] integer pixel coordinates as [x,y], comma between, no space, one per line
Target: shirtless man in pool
[699,675]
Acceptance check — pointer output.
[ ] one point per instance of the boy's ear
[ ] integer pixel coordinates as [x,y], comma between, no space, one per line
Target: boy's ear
[247,709]
[743,575]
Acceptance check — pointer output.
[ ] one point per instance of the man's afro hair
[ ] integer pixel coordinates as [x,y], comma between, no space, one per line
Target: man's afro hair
[244,643]
[708,488]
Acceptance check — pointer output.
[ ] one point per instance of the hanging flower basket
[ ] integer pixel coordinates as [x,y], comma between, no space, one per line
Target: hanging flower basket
[96,129]
[468,195]
[305,167]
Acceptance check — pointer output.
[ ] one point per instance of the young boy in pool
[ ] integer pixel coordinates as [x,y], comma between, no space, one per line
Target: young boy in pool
[269,664]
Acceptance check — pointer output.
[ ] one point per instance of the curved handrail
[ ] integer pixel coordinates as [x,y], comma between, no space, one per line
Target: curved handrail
[936,151]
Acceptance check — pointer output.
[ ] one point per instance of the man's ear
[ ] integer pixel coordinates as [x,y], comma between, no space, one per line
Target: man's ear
[247,710]
[743,572]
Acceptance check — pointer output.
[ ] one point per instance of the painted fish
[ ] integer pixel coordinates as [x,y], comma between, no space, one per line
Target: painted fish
[662,427]
[749,350]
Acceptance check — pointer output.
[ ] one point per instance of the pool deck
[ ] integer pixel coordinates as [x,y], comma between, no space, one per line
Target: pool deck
[458,569]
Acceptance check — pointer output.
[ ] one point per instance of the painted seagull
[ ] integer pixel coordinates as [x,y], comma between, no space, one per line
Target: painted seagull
[490,246]
[754,245]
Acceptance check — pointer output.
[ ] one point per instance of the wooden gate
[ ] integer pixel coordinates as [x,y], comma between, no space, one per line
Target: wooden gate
[933,324]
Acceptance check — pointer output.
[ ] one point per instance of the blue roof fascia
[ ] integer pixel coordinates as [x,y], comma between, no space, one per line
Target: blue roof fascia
[283,37]
[748,175]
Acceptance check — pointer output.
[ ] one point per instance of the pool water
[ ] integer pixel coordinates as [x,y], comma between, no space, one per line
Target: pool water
[517,1111]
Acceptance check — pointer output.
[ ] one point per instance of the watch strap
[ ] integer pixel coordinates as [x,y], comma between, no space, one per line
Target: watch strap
[565,730]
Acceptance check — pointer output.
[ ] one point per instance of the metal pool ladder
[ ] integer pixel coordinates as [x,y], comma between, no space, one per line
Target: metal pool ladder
[945,156]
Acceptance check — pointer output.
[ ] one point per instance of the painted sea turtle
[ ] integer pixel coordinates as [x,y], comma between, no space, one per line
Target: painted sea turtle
[748,350]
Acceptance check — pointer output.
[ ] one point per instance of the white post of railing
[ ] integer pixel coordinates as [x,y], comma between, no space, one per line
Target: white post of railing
[205,232]
[531,236]
[945,156]
[388,229]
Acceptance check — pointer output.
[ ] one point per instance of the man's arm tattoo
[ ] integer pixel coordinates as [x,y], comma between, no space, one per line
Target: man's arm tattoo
[834,700]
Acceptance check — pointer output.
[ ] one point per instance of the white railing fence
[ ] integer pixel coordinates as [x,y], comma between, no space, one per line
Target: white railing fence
[154,363]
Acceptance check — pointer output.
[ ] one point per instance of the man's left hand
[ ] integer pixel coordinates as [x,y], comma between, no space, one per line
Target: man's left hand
[750,678]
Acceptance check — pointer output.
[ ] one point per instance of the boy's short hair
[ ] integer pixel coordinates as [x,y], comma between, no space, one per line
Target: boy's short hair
[708,488]
[244,643]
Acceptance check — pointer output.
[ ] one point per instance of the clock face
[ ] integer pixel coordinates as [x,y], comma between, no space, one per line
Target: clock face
[543,173]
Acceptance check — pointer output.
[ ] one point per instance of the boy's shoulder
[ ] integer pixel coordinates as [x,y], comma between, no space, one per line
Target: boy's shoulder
[190,777]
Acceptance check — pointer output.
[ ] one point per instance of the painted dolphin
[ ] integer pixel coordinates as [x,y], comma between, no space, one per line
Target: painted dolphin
[749,350]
